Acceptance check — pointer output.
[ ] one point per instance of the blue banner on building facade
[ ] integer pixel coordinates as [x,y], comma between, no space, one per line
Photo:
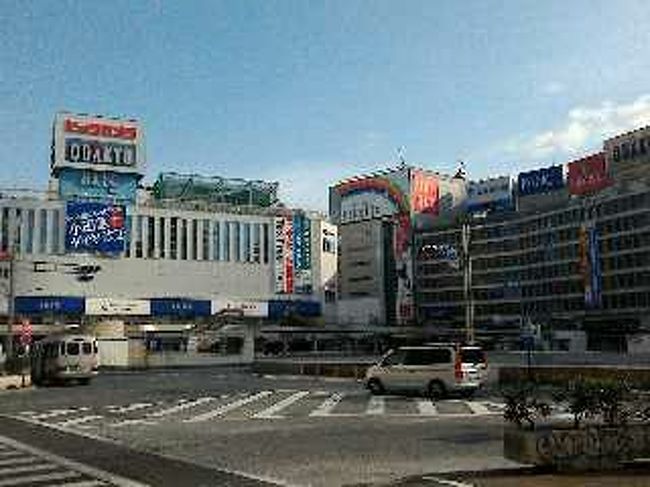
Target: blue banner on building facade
[283,308]
[541,180]
[49,304]
[97,185]
[94,227]
[302,255]
[180,307]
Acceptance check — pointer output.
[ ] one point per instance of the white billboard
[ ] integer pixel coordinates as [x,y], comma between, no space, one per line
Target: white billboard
[97,143]
[256,309]
[117,307]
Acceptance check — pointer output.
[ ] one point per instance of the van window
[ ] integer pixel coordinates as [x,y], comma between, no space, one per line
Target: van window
[472,356]
[396,358]
[72,348]
[428,356]
[87,348]
[95,347]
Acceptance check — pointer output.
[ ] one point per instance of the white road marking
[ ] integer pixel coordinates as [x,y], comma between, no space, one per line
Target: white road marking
[426,407]
[130,408]
[9,453]
[40,455]
[327,406]
[59,412]
[131,422]
[451,483]
[83,483]
[46,477]
[186,404]
[376,406]
[78,421]
[272,412]
[18,461]
[479,408]
[28,468]
[226,408]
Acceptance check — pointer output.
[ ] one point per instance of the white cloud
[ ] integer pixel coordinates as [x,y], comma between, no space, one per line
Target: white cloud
[583,128]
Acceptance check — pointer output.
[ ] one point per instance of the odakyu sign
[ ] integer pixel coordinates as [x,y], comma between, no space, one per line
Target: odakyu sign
[97,143]
[94,228]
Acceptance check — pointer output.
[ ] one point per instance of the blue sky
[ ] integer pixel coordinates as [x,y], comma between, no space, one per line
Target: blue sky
[308,92]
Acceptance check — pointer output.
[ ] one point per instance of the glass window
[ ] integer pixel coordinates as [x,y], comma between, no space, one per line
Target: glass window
[87,348]
[237,239]
[43,232]
[194,238]
[267,243]
[226,241]
[183,239]
[395,358]
[56,231]
[246,242]
[256,242]
[205,238]
[29,232]
[162,237]
[173,238]
[216,242]
[72,348]
[150,236]
[137,236]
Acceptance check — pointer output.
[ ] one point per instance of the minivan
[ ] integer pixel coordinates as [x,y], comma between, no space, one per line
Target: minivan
[436,370]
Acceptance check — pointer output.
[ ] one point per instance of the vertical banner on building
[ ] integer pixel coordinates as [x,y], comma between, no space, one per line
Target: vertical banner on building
[590,266]
[302,254]
[287,265]
[279,254]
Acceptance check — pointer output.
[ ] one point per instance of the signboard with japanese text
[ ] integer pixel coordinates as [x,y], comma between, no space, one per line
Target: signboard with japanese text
[631,147]
[180,307]
[97,185]
[425,197]
[117,306]
[94,227]
[302,254]
[588,175]
[253,309]
[49,304]
[541,180]
[97,143]
[494,194]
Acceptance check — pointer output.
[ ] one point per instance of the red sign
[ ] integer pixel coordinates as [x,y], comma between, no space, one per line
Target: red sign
[424,193]
[98,129]
[588,175]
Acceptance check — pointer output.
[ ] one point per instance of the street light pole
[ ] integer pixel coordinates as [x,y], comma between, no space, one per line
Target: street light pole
[11,308]
[467,281]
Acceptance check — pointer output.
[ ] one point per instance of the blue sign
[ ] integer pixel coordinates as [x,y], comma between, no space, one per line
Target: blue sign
[283,308]
[180,307]
[49,304]
[94,227]
[541,180]
[97,185]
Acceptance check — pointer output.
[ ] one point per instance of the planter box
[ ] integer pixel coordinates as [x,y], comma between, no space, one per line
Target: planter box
[589,448]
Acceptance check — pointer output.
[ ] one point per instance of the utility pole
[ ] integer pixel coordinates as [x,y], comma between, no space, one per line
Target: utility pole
[467,281]
[11,309]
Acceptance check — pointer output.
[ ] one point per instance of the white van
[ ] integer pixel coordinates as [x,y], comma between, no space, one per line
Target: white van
[436,370]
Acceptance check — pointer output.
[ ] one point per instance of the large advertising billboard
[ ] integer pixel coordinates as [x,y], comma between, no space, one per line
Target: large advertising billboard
[293,272]
[94,227]
[97,144]
[425,195]
[494,194]
[628,151]
[588,175]
[97,186]
[541,180]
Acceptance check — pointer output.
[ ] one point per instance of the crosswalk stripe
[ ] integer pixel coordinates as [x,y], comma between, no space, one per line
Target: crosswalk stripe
[82,483]
[59,412]
[478,408]
[129,408]
[181,407]
[30,479]
[28,468]
[328,405]
[131,422]
[10,453]
[78,421]
[376,406]
[226,408]
[272,412]
[426,407]
[18,461]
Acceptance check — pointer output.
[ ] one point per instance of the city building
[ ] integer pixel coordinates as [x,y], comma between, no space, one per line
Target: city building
[562,257]
[377,214]
[99,248]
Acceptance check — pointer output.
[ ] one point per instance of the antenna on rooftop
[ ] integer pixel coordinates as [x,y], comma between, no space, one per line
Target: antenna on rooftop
[401,159]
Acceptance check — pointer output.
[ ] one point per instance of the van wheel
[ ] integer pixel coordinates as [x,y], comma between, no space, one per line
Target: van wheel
[436,390]
[375,386]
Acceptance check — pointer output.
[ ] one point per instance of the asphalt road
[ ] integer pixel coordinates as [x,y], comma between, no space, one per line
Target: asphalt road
[270,430]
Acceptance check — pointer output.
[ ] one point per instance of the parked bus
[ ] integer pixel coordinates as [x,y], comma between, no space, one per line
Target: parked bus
[64,358]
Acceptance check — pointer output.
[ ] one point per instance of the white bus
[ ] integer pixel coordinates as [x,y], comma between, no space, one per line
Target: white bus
[64,358]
